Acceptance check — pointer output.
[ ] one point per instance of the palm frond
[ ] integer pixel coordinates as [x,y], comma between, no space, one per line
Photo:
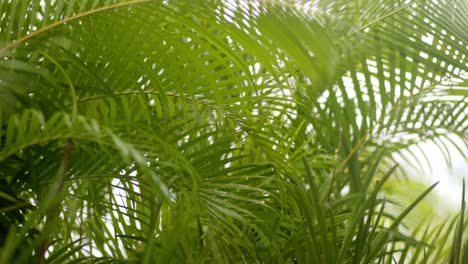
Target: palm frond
[222,131]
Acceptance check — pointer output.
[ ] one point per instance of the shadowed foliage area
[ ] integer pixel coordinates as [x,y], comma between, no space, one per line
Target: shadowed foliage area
[237,131]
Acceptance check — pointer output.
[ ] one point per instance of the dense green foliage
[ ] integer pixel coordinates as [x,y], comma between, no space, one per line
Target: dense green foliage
[207,131]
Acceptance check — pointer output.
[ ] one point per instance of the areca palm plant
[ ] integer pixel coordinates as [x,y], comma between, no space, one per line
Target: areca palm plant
[224,131]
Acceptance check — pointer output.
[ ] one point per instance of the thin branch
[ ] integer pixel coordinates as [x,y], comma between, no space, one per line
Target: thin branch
[401,8]
[53,204]
[70,85]
[335,171]
[69,19]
